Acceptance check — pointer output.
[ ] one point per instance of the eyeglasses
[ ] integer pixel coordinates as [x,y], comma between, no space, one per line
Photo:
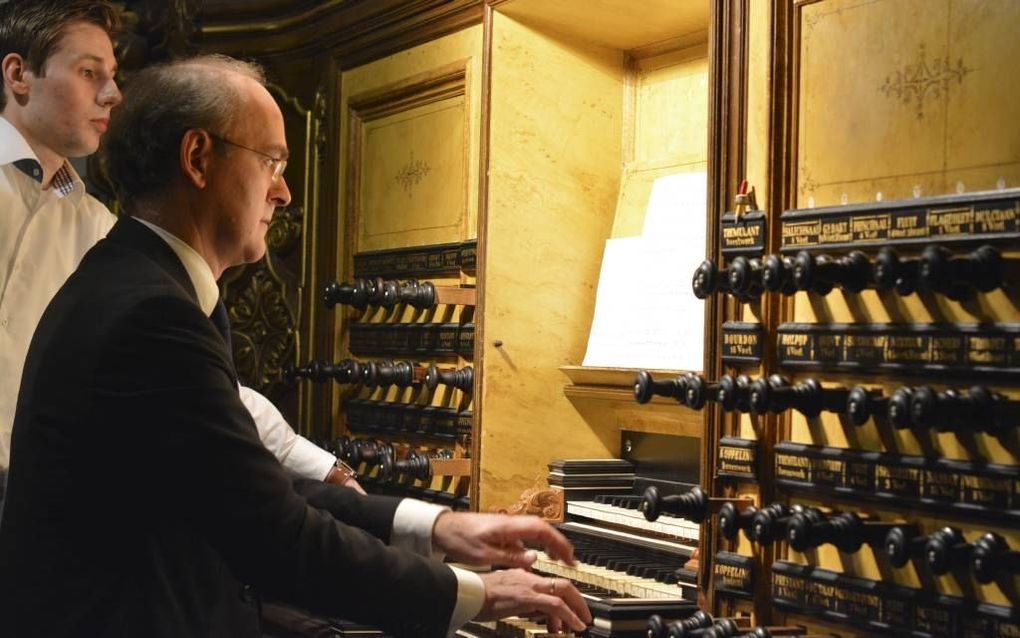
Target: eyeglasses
[278,164]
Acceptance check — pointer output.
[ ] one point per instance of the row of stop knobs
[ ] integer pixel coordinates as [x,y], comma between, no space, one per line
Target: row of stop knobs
[806,528]
[364,292]
[937,270]
[976,409]
[701,625]
[374,374]
[367,454]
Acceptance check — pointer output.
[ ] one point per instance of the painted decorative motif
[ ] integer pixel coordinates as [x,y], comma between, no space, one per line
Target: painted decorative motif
[924,80]
[412,174]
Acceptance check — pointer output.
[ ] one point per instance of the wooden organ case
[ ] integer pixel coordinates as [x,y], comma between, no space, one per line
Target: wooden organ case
[855,414]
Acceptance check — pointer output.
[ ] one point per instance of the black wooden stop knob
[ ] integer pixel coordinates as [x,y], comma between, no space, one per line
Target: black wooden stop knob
[893,273]
[902,543]
[657,628]
[386,373]
[979,409]
[692,505]
[355,294]
[369,452]
[732,520]
[768,524]
[945,550]
[777,275]
[462,379]
[417,294]
[645,387]
[708,279]
[991,556]
[939,271]
[863,404]
[735,393]
[899,409]
[745,277]
[821,273]
[700,391]
[382,293]
[810,528]
[344,446]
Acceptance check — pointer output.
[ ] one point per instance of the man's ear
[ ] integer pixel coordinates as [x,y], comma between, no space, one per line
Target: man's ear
[196,153]
[14,72]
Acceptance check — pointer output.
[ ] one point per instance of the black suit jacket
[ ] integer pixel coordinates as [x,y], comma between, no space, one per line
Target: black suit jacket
[140,497]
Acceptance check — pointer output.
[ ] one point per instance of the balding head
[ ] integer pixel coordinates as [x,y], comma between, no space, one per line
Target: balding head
[161,104]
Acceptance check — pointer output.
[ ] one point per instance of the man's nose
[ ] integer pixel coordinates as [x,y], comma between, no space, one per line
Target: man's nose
[279,194]
[110,94]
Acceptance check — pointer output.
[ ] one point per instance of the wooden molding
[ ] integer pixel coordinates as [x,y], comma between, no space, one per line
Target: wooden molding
[353,32]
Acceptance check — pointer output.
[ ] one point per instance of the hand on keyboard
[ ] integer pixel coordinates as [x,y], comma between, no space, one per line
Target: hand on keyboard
[498,539]
[515,592]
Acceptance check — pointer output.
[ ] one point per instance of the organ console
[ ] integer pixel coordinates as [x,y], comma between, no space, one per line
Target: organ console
[462,379]
[776,394]
[821,273]
[847,531]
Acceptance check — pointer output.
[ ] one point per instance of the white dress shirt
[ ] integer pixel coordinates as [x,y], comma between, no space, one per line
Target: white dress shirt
[413,520]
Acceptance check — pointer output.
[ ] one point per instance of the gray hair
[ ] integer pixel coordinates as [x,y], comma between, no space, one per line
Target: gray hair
[161,104]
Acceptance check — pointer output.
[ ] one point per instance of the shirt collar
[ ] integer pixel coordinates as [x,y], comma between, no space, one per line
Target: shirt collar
[14,149]
[198,269]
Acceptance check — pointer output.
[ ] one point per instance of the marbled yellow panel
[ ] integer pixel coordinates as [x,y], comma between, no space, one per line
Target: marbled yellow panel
[555,154]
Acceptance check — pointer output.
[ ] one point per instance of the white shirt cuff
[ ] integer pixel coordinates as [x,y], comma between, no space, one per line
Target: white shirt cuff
[470,598]
[412,526]
[309,460]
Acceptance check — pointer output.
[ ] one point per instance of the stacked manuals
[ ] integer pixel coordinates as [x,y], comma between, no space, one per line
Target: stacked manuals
[584,479]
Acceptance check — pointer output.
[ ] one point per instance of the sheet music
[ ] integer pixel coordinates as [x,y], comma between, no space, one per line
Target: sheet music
[646,315]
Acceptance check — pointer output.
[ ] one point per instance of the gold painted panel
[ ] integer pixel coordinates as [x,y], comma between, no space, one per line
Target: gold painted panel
[414,177]
[900,98]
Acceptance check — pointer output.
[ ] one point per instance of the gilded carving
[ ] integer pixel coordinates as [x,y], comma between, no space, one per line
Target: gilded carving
[412,174]
[319,116]
[262,325]
[285,230]
[922,80]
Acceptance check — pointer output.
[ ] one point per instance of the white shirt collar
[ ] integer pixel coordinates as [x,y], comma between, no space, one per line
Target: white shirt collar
[198,269]
[14,149]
